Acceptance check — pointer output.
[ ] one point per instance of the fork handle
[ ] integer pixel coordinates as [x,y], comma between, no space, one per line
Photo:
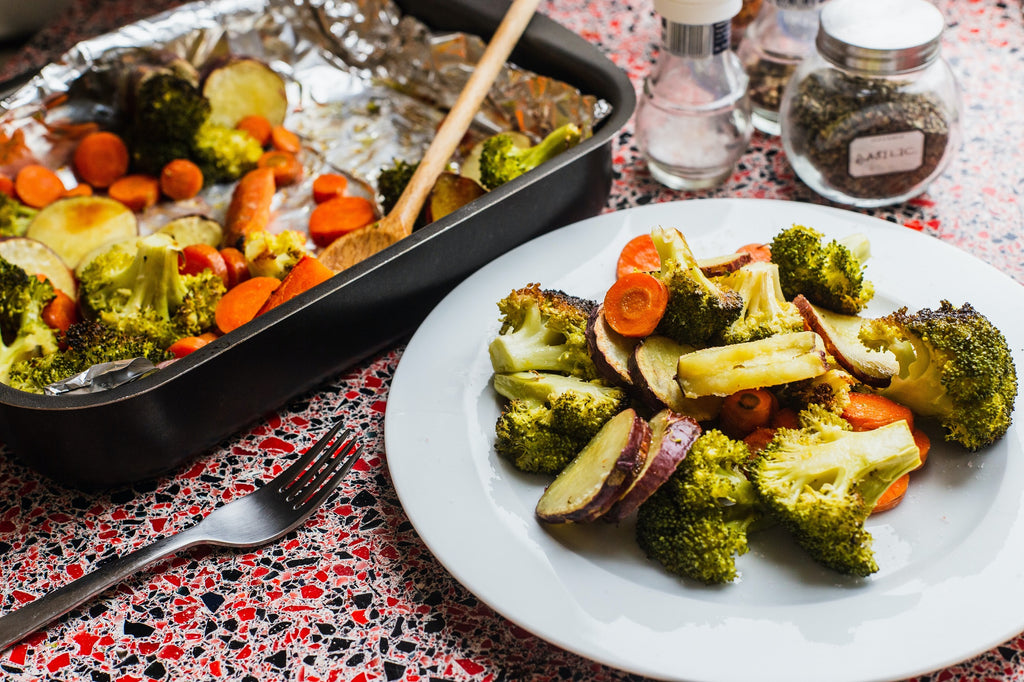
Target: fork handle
[16,625]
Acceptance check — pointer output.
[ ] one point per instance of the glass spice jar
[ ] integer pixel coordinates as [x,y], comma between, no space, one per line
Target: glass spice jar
[872,116]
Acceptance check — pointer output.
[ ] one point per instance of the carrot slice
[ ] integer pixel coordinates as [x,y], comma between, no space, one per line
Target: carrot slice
[747,410]
[61,312]
[37,185]
[893,495]
[286,166]
[181,179]
[249,210]
[785,418]
[638,255]
[757,439]
[186,345]
[339,216]
[198,257]
[80,190]
[304,275]
[758,252]
[328,185]
[285,140]
[100,158]
[6,185]
[243,301]
[635,303]
[867,411]
[923,442]
[257,126]
[237,266]
[137,192]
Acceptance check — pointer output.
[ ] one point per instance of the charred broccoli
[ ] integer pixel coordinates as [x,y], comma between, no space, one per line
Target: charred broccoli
[502,159]
[698,309]
[274,254]
[545,330]
[549,418]
[144,294]
[14,216]
[822,480]
[829,274]
[954,365]
[392,181]
[765,309]
[23,333]
[85,344]
[696,523]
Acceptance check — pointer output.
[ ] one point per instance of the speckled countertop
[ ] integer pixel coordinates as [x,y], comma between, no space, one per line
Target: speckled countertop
[354,594]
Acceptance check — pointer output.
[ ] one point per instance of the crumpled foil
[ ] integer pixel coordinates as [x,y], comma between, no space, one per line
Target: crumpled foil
[366,85]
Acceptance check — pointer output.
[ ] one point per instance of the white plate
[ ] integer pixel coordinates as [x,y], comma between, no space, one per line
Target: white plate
[951,556]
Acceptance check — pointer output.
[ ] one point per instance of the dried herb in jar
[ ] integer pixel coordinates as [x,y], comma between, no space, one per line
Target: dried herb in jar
[768,79]
[849,127]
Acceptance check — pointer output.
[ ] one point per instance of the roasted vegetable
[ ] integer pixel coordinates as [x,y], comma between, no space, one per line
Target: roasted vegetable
[829,273]
[502,159]
[14,216]
[765,309]
[23,333]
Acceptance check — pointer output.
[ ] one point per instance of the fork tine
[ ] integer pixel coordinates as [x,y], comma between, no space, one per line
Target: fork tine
[314,493]
[324,459]
[290,476]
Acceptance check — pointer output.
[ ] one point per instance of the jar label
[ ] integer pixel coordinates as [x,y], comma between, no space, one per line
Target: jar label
[890,153]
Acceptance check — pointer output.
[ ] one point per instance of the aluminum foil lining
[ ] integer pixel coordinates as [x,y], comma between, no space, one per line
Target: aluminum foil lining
[366,85]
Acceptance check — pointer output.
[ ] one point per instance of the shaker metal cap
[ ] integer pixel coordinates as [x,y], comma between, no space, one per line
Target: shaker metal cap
[880,37]
[697,12]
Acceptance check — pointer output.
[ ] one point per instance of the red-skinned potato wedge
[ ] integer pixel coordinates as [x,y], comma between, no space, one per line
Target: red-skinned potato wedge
[451,192]
[672,435]
[609,350]
[303,276]
[36,258]
[589,486]
[717,266]
[653,372]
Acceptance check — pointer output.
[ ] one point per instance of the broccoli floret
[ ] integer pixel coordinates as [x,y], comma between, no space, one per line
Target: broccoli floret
[14,216]
[23,333]
[502,159]
[167,112]
[698,309]
[144,294]
[224,154]
[765,309]
[828,274]
[954,365]
[274,254]
[392,181]
[697,522]
[85,344]
[821,482]
[549,418]
[830,390]
[543,329]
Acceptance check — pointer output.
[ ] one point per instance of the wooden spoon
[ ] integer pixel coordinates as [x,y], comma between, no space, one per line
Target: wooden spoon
[360,244]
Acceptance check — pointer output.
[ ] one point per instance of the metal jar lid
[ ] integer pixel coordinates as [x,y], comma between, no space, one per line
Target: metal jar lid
[880,37]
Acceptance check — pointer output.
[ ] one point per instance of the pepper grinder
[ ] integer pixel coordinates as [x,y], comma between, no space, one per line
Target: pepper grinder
[693,120]
[780,36]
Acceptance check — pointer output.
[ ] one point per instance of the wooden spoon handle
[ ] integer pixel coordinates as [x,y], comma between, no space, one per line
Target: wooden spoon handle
[461,115]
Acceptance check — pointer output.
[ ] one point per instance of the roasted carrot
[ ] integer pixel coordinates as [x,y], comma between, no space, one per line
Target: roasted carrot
[758,252]
[100,158]
[181,179]
[257,126]
[80,190]
[304,275]
[867,411]
[285,140]
[328,185]
[339,216]
[138,192]
[37,185]
[241,303]
[195,258]
[61,312]
[635,303]
[923,442]
[785,418]
[758,438]
[186,345]
[6,185]
[893,495]
[746,410]
[238,267]
[638,255]
[286,166]
[249,210]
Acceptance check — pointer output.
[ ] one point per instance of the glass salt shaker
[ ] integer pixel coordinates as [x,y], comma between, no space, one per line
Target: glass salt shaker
[693,119]
[872,116]
[780,36]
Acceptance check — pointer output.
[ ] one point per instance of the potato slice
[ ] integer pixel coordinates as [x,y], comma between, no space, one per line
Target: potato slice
[243,87]
[609,350]
[194,229]
[723,265]
[74,226]
[652,369]
[36,258]
[451,192]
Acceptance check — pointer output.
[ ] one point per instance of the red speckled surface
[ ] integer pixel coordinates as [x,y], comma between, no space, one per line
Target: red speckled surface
[354,595]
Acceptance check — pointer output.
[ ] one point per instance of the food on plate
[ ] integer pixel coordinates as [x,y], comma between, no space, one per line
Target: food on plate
[775,411]
[548,418]
[634,304]
[503,157]
[75,226]
[696,523]
[821,482]
[588,487]
[242,87]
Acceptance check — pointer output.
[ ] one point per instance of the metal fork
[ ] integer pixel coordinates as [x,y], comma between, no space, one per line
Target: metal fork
[271,512]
